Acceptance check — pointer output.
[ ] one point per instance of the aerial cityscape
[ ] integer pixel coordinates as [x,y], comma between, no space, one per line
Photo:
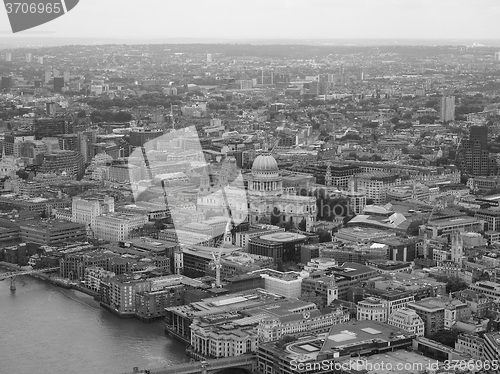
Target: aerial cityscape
[249,207]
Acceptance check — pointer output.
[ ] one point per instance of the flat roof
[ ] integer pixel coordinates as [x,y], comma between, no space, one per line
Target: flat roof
[283,237]
[386,363]
[359,332]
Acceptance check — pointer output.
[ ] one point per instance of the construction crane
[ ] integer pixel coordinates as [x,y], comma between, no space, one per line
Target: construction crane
[228,234]
[426,224]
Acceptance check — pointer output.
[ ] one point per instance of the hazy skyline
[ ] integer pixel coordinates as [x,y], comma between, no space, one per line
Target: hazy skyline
[275,19]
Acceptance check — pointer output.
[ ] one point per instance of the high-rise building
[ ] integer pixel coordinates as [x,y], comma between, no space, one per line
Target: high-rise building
[66,76]
[67,162]
[40,60]
[6,83]
[50,109]
[209,57]
[473,155]
[8,57]
[87,210]
[491,350]
[497,56]
[29,57]
[49,127]
[447,112]
[58,84]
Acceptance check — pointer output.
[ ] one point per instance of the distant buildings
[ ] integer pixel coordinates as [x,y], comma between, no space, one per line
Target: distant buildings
[447,109]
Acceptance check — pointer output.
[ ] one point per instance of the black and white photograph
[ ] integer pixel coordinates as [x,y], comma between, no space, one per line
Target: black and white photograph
[250,187]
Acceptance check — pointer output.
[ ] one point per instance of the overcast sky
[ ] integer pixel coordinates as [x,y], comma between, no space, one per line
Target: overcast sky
[272,19]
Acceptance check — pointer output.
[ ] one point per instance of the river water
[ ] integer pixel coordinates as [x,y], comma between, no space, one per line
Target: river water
[45,329]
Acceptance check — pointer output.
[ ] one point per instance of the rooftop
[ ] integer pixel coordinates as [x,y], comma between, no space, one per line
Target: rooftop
[283,237]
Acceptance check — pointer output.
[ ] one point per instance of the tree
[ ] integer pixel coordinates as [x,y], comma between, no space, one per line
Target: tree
[287,225]
[303,225]
[123,117]
[395,120]
[453,284]
[23,174]
[276,217]
[286,339]
[312,297]
[209,214]
[81,114]
[324,236]
[427,120]
[279,265]
[446,337]
[351,136]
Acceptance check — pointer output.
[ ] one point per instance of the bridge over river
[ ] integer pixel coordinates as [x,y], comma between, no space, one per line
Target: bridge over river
[245,363]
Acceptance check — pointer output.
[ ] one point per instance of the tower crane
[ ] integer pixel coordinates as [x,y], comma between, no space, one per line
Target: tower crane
[426,224]
[229,231]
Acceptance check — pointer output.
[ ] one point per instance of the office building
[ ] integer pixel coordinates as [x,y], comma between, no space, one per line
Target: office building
[473,156]
[284,246]
[489,289]
[447,109]
[116,227]
[408,320]
[374,185]
[372,309]
[470,344]
[69,163]
[50,108]
[439,313]
[285,284]
[179,319]
[491,351]
[362,338]
[50,127]
[86,211]
[51,232]
[58,84]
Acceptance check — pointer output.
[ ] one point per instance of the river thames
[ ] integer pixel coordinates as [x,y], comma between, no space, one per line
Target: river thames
[48,329]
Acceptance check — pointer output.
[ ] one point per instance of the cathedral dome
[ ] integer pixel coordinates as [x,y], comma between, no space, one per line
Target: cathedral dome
[265,163]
